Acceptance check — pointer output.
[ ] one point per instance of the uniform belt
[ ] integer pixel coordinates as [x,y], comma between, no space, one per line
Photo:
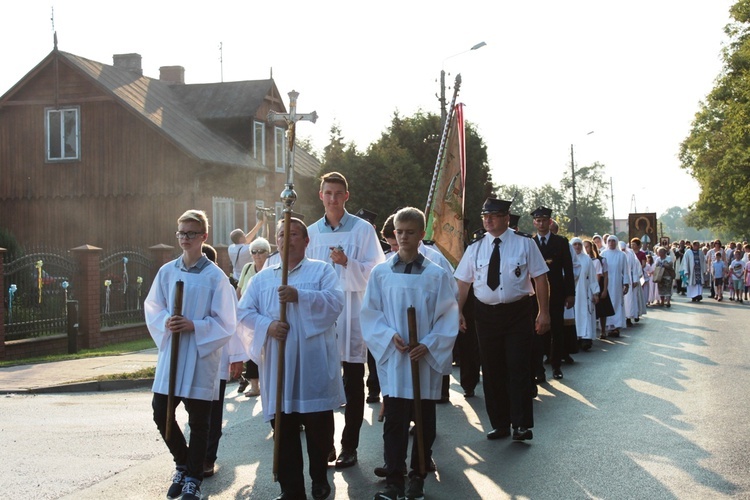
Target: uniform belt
[503,306]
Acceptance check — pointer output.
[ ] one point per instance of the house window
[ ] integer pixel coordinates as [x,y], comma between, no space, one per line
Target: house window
[280,144]
[223,220]
[63,134]
[259,142]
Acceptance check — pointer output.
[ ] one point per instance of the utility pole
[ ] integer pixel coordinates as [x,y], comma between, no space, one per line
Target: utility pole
[612,196]
[575,200]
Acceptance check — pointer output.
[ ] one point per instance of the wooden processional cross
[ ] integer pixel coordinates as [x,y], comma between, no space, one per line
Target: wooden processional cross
[288,197]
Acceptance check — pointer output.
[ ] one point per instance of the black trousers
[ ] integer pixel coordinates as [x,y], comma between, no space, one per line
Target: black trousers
[398,416]
[373,384]
[505,333]
[214,427]
[467,345]
[251,370]
[319,437]
[551,343]
[354,389]
[199,414]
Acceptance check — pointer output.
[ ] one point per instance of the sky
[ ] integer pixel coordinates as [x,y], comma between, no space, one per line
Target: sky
[551,71]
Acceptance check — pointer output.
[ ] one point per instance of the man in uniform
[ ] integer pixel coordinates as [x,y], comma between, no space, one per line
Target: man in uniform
[556,252]
[501,265]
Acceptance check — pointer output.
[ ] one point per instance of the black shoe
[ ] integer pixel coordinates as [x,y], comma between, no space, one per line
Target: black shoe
[415,489]
[431,465]
[191,490]
[628,322]
[522,434]
[320,491]
[383,471]
[586,345]
[332,455]
[557,374]
[498,433]
[291,496]
[391,492]
[346,459]
[540,379]
[373,398]
[178,481]
[208,469]
[636,319]
[469,394]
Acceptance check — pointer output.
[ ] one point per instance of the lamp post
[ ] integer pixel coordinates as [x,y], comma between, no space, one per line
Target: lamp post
[575,199]
[443,112]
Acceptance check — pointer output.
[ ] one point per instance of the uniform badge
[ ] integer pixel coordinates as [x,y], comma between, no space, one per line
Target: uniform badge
[518,272]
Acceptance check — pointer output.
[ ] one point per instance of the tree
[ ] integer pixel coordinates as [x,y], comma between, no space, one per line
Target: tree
[396,170]
[717,150]
[591,195]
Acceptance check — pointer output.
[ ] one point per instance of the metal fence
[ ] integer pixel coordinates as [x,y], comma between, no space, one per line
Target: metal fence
[125,280]
[37,286]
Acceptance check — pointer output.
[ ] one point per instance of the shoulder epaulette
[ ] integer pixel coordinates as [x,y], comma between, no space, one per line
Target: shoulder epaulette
[478,238]
[428,242]
[527,235]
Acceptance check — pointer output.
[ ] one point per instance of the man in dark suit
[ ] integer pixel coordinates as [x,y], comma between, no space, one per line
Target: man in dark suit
[556,252]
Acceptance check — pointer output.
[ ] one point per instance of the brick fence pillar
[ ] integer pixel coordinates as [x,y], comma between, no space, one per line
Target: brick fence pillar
[161,254]
[88,284]
[222,258]
[2,306]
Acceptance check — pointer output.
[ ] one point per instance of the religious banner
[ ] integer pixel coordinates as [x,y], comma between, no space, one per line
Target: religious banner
[445,217]
[643,227]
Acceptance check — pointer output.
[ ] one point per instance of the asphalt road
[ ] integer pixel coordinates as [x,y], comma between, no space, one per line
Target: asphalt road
[660,413]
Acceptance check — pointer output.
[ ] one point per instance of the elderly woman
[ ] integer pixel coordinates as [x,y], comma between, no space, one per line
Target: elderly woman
[587,295]
[260,249]
[664,266]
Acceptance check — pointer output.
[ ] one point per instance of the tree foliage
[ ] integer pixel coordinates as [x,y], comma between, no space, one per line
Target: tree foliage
[396,170]
[717,150]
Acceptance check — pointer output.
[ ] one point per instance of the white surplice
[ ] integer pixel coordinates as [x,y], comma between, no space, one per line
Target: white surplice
[209,301]
[586,286]
[384,313]
[312,367]
[359,241]
[618,273]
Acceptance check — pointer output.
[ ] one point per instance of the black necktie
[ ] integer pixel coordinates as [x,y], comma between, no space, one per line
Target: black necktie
[493,273]
[544,242]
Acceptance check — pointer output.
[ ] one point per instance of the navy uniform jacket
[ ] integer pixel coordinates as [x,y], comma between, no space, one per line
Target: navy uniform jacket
[560,263]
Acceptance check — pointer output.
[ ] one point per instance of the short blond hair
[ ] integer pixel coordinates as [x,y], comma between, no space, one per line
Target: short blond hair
[194,215]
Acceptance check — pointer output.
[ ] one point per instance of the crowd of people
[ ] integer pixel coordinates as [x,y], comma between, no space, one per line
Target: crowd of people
[301,333]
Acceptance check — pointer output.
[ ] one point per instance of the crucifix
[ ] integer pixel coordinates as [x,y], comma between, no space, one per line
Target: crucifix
[288,197]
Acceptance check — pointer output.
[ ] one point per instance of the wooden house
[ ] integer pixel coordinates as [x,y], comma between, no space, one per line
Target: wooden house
[100,154]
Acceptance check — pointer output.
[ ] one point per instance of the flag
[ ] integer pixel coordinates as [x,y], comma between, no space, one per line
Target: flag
[445,217]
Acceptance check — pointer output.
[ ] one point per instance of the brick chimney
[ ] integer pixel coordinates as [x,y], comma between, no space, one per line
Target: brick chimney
[172,74]
[129,62]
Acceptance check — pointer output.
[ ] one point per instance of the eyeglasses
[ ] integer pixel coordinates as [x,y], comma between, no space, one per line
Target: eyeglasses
[189,235]
[256,252]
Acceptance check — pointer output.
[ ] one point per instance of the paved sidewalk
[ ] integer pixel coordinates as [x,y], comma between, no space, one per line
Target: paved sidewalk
[77,375]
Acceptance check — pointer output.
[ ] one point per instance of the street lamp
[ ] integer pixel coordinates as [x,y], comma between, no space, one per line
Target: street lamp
[573,178]
[443,112]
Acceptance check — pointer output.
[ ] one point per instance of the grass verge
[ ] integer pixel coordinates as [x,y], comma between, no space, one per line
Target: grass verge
[110,350]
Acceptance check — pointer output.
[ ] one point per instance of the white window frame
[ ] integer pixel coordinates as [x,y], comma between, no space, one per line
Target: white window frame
[223,220]
[259,150]
[63,135]
[279,142]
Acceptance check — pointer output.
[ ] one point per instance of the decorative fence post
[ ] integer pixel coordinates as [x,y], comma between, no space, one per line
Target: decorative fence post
[161,255]
[2,306]
[89,294]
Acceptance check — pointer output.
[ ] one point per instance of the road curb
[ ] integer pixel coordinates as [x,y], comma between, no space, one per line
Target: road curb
[89,386]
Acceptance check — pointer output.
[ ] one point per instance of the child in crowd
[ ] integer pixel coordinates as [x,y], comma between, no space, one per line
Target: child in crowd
[737,274]
[719,269]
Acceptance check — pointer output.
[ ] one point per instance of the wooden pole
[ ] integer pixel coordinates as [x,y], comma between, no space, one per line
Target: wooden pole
[176,311]
[419,433]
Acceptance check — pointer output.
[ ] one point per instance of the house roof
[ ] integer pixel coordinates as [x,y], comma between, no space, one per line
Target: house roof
[214,101]
[158,103]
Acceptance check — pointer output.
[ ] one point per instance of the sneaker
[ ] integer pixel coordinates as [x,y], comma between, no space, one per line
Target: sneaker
[415,490]
[243,384]
[178,481]
[191,490]
[391,492]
